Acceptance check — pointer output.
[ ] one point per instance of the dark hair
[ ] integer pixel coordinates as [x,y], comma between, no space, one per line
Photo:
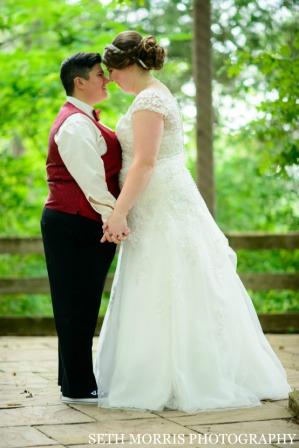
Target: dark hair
[129,47]
[79,64]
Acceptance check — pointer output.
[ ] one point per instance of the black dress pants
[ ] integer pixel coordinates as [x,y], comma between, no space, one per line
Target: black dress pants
[77,265]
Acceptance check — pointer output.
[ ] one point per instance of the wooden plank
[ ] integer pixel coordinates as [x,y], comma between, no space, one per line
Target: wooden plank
[238,240]
[37,285]
[21,246]
[32,326]
[256,240]
[24,285]
[254,281]
[280,322]
[276,281]
[45,326]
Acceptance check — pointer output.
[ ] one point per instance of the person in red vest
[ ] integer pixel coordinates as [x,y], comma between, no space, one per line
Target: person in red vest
[83,165]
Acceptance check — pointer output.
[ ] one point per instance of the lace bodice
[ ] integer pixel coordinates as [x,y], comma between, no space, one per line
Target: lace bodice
[155,100]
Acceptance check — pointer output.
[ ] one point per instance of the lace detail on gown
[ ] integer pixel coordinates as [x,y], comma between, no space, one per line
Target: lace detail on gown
[150,100]
[165,104]
[180,330]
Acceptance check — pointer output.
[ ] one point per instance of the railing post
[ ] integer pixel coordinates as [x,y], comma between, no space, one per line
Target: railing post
[202,70]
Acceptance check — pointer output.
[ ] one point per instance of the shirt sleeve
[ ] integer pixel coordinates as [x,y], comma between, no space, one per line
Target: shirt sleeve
[81,146]
[149,100]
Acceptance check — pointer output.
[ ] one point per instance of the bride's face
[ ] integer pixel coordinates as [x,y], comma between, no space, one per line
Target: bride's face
[124,78]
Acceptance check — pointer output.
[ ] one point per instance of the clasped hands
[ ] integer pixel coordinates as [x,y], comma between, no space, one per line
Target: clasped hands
[115,229]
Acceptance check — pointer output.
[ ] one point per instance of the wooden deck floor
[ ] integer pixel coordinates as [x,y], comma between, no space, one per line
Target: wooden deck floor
[31,414]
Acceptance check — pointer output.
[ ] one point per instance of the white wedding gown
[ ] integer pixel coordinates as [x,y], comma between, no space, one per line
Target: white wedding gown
[180,331]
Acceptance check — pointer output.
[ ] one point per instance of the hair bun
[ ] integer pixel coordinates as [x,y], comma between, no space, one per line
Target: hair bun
[151,53]
[129,47]
[149,43]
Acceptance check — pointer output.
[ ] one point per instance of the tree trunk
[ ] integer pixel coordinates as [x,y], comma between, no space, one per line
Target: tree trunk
[203,82]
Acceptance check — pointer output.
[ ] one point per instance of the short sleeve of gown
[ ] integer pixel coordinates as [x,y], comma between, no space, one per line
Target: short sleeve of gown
[150,100]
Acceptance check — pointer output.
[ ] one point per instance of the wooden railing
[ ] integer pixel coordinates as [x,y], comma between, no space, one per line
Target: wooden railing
[281,322]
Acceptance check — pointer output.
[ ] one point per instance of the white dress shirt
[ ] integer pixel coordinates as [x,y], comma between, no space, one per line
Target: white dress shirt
[81,145]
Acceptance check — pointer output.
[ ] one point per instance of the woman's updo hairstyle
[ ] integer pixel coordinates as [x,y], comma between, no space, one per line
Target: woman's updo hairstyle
[129,47]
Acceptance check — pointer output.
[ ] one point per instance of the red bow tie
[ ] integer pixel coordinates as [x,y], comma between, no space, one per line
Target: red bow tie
[96,114]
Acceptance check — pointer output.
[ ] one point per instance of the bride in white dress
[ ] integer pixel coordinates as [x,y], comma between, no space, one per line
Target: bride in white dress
[180,331]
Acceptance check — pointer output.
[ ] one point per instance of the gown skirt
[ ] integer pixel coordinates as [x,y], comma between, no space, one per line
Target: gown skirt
[180,331]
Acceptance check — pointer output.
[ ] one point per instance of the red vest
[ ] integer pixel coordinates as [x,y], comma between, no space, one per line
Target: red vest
[65,194]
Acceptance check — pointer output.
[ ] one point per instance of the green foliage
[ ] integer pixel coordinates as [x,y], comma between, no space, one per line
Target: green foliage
[36,36]
[23,189]
[264,63]
[275,302]
[26,305]
[268,261]
[255,61]
[35,305]
[247,200]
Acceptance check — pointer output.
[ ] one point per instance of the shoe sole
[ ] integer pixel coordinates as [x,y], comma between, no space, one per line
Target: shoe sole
[93,401]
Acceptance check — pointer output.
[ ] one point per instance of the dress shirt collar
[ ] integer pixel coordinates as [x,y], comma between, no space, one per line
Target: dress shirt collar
[81,105]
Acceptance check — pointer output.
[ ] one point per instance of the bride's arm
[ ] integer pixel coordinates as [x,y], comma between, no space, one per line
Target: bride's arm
[147,132]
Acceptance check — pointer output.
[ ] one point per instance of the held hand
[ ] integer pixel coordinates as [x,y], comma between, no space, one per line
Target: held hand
[112,238]
[115,229]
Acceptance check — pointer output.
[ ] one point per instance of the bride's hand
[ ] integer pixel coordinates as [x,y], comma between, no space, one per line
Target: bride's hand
[115,229]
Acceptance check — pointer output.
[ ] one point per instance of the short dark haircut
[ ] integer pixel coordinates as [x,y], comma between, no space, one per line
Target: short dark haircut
[79,64]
